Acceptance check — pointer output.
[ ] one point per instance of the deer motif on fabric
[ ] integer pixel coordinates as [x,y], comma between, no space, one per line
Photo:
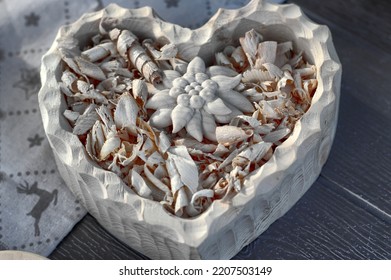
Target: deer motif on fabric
[45,198]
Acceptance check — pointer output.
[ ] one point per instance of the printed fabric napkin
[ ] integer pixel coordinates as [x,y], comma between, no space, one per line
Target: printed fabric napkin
[36,208]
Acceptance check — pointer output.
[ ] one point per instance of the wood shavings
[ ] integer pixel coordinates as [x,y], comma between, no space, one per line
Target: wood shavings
[180,132]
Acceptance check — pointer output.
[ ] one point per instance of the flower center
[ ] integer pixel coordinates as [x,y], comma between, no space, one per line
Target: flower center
[193,90]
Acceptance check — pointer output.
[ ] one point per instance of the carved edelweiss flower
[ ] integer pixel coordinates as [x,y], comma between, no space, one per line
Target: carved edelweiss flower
[198,99]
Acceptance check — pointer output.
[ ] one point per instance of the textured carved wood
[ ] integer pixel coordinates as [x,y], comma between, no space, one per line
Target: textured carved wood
[225,228]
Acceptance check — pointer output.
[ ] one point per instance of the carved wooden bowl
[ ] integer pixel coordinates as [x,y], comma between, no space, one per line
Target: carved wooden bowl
[224,228]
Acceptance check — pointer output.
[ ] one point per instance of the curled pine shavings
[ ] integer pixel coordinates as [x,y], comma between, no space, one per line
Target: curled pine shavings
[180,132]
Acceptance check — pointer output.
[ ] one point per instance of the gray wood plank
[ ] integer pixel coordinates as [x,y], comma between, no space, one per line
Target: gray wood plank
[324,224]
[367,19]
[360,160]
[89,241]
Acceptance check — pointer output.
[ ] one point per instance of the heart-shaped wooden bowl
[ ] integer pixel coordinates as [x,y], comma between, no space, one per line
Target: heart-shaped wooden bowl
[268,193]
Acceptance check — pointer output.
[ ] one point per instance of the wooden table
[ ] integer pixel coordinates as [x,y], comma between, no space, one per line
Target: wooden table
[346,214]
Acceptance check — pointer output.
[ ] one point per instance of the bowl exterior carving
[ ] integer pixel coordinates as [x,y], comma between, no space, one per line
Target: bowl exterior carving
[269,192]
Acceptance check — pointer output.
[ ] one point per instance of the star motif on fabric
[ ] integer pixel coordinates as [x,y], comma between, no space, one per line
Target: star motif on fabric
[171,3]
[29,82]
[35,141]
[32,19]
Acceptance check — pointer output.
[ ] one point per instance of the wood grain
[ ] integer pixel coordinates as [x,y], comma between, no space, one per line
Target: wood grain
[366,19]
[361,155]
[89,241]
[324,224]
